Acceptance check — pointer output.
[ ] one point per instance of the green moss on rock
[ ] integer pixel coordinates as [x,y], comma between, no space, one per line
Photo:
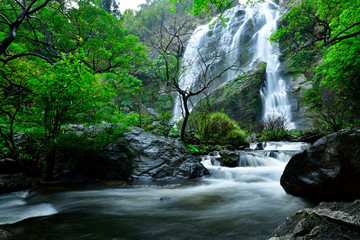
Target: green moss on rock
[240,98]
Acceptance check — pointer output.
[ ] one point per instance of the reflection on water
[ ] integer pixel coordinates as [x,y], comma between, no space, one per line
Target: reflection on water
[233,203]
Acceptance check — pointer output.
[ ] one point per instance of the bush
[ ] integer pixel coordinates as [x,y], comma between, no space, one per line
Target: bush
[274,128]
[218,128]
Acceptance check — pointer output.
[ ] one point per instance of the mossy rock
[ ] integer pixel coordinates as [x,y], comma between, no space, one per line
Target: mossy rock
[240,98]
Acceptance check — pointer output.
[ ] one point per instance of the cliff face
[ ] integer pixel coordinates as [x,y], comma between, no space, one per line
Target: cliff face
[240,98]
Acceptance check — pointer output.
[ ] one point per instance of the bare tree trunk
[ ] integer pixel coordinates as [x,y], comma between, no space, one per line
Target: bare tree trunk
[186,117]
[50,163]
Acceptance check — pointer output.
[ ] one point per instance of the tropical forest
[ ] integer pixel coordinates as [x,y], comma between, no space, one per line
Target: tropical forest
[179,119]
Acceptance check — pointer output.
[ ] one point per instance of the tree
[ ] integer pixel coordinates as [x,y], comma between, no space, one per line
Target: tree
[333,26]
[209,6]
[51,27]
[313,21]
[62,93]
[12,15]
[328,108]
[33,31]
[13,94]
[169,42]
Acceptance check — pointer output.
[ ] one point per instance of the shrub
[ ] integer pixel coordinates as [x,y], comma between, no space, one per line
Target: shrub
[218,128]
[274,128]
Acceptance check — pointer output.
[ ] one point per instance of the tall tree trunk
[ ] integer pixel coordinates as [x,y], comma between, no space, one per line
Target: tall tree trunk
[186,117]
[50,163]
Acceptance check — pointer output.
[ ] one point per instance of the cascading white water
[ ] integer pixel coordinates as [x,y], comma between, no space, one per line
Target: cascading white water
[244,40]
[274,96]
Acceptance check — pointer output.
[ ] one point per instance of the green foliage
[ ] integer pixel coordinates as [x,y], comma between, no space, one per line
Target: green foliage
[147,20]
[274,128]
[218,128]
[340,72]
[195,149]
[14,96]
[273,135]
[310,21]
[125,86]
[79,43]
[164,125]
[201,149]
[329,28]
[300,62]
[207,6]
[62,92]
[71,146]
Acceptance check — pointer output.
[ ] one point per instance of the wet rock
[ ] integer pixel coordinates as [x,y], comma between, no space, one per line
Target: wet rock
[161,158]
[311,138]
[141,155]
[112,163]
[331,220]
[240,13]
[229,158]
[259,146]
[5,235]
[9,166]
[15,182]
[327,171]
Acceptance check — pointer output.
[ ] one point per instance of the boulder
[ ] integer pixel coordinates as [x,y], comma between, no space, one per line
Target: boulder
[158,157]
[15,182]
[309,138]
[139,154]
[112,163]
[329,170]
[9,166]
[229,158]
[331,220]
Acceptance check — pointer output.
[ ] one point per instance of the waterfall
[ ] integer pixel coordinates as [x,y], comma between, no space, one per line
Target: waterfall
[273,93]
[244,40]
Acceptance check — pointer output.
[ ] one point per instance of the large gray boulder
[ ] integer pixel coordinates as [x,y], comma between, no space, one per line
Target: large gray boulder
[158,157]
[328,171]
[139,154]
[331,220]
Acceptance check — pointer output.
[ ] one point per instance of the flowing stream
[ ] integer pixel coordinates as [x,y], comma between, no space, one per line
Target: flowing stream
[243,43]
[245,202]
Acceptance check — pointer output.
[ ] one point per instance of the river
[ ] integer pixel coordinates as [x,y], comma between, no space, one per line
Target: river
[232,203]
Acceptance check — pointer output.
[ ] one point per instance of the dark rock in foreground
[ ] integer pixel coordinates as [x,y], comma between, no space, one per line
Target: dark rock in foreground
[15,182]
[142,155]
[328,171]
[332,220]
[5,235]
[9,166]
